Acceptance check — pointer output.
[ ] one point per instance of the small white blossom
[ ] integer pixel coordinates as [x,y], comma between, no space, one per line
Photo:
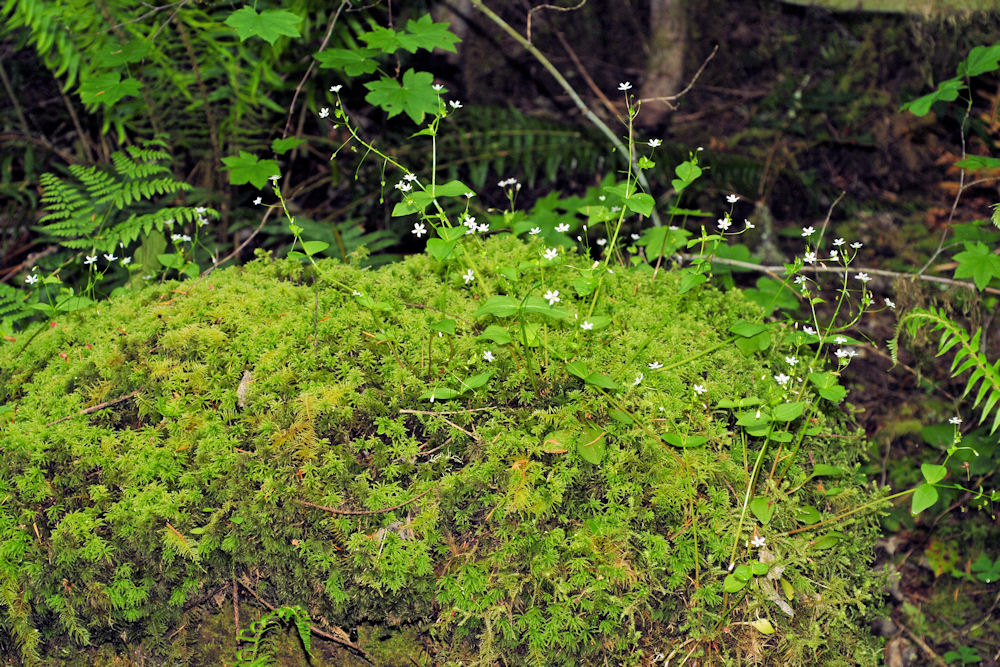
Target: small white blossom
[587,325]
[418,229]
[809,257]
[200,209]
[838,242]
[749,225]
[274,179]
[638,379]
[562,227]
[468,276]
[791,361]
[410,176]
[324,112]
[889,303]
[724,223]
[655,364]
[126,260]
[31,279]
[455,104]
[833,254]
[863,277]
[257,201]
[781,379]
[654,143]
[839,340]
[800,280]
[842,353]
[535,230]
[483,227]
[699,389]
[955,420]
[602,242]
[634,237]
[551,253]
[733,198]
[438,87]
[808,231]
[403,186]
[809,330]
[110,257]
[758,541]
[470,195]
[487,356]
[90,259]
[625,85]
[336,89]
[856,245]
[552,296]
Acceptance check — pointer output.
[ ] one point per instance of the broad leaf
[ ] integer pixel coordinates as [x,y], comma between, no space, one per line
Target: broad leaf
[246,168]
[269,25]
[107,88]
[415,96]
[763,509]
[947,91]
[351,62]
[979,263]
[924,496]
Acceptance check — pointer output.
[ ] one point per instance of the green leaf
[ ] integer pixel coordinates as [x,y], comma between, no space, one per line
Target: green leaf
[763,626]
[579,369]
[601,380]
[496,334]
[924,496]
[641,203]
[748,329]
[591,446]
[982,59]
[787,412]
[986,571]
[424,33]
[687,173]
[620,416]
[440,249]
[824,470]
[933,473]
[557,442]
[976,162]
[834,394]
[415,96]
[763,509]
[690,278]
[440,394]
[807,514]
[131,52]
[759,569]
[688,441]
[246,168]
[827,541]
[351,62]
[313,247]
[947,91]
[498,305]
[444,326]
[536,304]
[979,263]
[269,25]
[476,381]
[280,146]
[733,584]
[107,88]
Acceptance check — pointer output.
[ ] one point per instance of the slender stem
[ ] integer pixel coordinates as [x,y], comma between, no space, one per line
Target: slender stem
[853,511]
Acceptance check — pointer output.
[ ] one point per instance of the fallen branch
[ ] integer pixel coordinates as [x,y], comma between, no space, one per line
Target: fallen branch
[95,408]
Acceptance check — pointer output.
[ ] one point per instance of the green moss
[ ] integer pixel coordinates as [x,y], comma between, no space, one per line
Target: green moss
[269,384]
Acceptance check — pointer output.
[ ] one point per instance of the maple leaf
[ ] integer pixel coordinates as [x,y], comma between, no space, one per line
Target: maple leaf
[415,96]
[107,89]
[268,25]
[351,61]
[248,169]
[424,33]
[978,263]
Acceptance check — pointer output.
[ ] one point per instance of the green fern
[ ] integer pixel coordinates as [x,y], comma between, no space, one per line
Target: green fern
[967,357]
[102,208]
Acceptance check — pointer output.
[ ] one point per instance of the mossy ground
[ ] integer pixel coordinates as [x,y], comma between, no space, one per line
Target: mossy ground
[265,385]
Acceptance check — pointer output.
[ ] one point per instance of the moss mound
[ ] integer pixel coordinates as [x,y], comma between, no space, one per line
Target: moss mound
[366,445]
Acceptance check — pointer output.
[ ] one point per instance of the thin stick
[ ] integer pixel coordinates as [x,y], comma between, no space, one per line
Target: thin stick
[586,75]
[95,408]
[332,510]
[443,412]
[236,610]
[555,7]
[670,98]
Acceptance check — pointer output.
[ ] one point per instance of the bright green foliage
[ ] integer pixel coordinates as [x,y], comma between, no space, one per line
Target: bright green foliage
[978,262]
[422,33]
[106,89]
[255,651]
[247,168]
[106,207]
[415,95]
[981,59]
[269,25]
[554,529]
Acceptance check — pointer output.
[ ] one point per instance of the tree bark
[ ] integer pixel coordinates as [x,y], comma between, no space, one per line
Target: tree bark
[665,65]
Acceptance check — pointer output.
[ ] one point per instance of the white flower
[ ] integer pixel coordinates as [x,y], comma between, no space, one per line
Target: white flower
[488,356]
[200,209]
[484,227]
[438,87]
[733,198]
[699,389]
[202,221]
[552,296]
[791,361]
[562,227]
[126,260]
[856,245]
[758,541]
[655,364]
[508,181]
[809,257]
[602,242]
[839,340]
[833,254]
[587,325]
[838,242]
[168,222]
[781,379]
[799,280]
[551,253]
[90,259]
[403,186]
[274,179]
[110,257]
[809,330]
[470,195]
[654,143]
[468,276]
[31,279]
[955,420]
[535,230]
[808,231]
[842,353]
[635,237]
[596,264]
[638,379]
[863,277]
[336,89]
[455,104]
[749,224]
[257,201]
[889,303]
[724,223]
[324,112]
[418,229]
[624,86]
[410,176]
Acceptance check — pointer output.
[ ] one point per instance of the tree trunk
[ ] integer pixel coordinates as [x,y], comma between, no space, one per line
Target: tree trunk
[665,65]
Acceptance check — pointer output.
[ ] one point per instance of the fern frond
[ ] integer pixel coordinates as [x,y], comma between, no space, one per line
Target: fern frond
[967,358]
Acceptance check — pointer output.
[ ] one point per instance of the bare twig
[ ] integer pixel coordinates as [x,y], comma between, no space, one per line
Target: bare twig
[95,408]
[333,510]
[586,75]
[236,610]
[935,658]
[443,412]
[558,9]
[670,98]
